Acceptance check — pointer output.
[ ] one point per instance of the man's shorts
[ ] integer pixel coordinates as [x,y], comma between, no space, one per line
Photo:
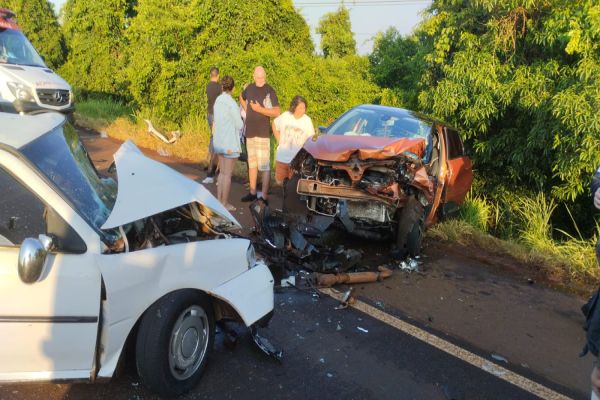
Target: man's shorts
[259,153]
[282,171]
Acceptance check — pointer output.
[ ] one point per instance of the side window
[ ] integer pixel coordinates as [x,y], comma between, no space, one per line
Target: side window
[454,145]
[21,212]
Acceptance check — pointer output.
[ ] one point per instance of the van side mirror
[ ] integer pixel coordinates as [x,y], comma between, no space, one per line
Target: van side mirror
[32,257]
[323,130]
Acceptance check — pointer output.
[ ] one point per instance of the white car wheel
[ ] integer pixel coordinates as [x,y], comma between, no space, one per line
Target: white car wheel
[174,340]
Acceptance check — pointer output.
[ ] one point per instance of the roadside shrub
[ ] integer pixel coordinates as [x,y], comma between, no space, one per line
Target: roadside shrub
[535,214]
[478,212]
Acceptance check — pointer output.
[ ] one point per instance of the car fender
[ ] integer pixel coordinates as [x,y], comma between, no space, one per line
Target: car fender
[135,280]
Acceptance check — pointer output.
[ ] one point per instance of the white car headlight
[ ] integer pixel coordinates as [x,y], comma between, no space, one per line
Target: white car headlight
[251,256]
[20,91]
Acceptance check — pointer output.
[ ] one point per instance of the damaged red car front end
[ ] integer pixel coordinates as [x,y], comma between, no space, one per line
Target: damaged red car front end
[382,172]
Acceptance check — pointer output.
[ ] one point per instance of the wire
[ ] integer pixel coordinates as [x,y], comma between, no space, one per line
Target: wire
[363,3]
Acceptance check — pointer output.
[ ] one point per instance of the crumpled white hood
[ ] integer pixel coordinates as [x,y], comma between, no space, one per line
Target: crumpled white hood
[148,187]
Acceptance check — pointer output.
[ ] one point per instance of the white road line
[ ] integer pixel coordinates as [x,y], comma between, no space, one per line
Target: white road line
[458,352]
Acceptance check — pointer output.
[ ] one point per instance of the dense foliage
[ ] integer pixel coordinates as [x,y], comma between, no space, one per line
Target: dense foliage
[97,48]
[520,77]
[337,39]
[39,23]
[158,53]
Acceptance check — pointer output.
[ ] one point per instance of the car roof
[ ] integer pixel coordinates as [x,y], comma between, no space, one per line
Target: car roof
[17,130]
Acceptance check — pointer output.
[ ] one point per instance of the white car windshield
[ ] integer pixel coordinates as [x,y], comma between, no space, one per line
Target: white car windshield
[60,156]
[16,49]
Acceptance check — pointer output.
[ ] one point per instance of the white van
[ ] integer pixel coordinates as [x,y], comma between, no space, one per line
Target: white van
[26,84]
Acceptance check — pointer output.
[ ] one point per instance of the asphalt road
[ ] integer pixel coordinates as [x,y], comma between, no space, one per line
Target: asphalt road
[498,315]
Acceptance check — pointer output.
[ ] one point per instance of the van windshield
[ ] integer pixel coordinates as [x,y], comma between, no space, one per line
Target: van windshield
[16,49]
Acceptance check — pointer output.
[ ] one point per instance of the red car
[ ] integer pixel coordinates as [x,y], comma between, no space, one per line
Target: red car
[379,172]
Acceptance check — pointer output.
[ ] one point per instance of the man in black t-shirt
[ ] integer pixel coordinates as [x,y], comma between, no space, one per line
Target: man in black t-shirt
[213,90]
[260,102]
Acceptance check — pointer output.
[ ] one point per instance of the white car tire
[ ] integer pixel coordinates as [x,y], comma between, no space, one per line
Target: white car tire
[175,338]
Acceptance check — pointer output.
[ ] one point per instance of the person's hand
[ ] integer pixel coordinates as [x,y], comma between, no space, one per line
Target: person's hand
[597,199]
[595,380]
[255,106]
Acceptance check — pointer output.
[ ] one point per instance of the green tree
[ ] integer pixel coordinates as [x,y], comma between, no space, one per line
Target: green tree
[97,48]
[396,63]
[174,43]
[521,78]
[39,23]
[337,39]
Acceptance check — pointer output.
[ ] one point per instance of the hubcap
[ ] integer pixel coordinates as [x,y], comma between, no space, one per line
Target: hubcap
[189,342]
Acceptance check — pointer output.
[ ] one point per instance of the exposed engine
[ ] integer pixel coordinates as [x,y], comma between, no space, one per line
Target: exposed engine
[367,191]
[190,223]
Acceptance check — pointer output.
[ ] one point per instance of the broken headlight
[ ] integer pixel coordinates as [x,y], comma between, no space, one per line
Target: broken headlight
[251,256]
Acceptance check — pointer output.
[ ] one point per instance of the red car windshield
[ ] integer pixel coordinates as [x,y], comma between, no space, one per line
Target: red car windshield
[384,122]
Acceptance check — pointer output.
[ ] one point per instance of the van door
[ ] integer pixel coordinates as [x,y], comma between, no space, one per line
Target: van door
[48,329]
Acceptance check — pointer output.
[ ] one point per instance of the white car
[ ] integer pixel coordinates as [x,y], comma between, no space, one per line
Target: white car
[86,268]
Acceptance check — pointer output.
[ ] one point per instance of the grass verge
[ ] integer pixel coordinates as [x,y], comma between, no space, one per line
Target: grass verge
[569,263]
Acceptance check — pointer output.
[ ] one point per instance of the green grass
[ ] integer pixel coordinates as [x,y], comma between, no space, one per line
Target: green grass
[534,240]
[478,212]
[94,113]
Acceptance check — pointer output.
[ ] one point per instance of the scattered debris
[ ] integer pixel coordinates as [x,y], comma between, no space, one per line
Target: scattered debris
[499,358]
[409,265]
[338,328]
[353,277]
[103,135]
[164,153]
[266,346]
[322,360]
[175,135]
[290,281]
[380,304]
[329,375]
[346,300]
[362,329]
[493,369]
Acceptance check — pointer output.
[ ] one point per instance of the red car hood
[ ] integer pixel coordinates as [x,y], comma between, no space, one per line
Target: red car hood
[340,148]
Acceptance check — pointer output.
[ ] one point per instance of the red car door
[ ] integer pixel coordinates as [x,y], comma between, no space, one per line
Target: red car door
[460,171]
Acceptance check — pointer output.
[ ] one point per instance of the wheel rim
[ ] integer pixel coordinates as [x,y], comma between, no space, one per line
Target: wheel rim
[189,342]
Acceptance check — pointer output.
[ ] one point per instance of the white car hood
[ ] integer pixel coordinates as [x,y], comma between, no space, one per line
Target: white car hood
[148,187]
[36,77]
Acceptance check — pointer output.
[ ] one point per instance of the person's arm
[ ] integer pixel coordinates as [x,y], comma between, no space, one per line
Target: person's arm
[275,130]
[237,118]
[267,112]
[243,101]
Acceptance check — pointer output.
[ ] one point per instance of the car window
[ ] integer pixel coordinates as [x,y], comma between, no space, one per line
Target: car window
[382,123]
[454,144]
[21,212]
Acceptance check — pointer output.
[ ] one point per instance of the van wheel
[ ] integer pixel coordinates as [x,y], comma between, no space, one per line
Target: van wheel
[409,234]
[175,338]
